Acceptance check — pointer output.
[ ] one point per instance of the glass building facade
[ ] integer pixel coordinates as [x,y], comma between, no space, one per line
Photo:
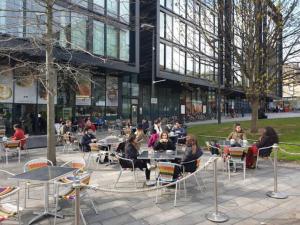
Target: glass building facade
[102,28]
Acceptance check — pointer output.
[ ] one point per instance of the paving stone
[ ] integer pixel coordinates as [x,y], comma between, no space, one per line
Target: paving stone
[164,216]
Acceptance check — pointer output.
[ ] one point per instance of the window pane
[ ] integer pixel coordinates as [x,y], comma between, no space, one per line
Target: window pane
[112,8]
[162,24]
[169,27]
[177,30]
[112,41]
[196,40]
[196,66]
[162,2]
[61,27]
[182,8]
[190,10]
[182,62]
[78,31]
[182,33]
[99,6]
[98,38]
[190,37]
[169,4]
[11,21]
[162,55]
[35,24]
[83,3]
[189,65]
[168,57]
[176,59]
[125,11]
[176,6]
[124,45]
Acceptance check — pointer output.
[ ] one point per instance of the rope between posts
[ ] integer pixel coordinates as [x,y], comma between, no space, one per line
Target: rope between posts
[289,153]
[97,188]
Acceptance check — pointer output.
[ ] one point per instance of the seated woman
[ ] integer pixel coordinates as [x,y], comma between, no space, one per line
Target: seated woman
[192,152]
[164,143]
[87,139]
[237,135]
[268,137]
[131,152]
[153,138]
[19,135]
[140,136]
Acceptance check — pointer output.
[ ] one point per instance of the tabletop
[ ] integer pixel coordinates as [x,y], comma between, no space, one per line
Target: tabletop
[44,174]
[159,155]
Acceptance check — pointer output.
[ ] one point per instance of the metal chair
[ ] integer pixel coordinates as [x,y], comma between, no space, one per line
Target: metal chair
[236,156]
[32,165]
[167,171]
[69,193]
[266,157]
[195,162]
[11,148]
[126,164]
[8,210]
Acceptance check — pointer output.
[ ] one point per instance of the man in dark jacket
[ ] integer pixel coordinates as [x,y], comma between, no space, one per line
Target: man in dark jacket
[87,139]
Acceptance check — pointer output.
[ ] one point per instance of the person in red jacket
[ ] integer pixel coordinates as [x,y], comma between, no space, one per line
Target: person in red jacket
[19,135]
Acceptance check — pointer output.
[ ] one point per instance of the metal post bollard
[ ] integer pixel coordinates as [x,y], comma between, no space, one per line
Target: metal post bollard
[216,216]
[275,193]
[76,185]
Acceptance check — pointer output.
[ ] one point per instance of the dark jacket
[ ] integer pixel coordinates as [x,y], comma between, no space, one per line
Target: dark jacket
[265,141]
[131,151]
[189,156]
[164,146]
[85,142]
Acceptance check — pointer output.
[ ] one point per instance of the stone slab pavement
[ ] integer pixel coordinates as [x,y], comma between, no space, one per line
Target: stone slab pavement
[245,202]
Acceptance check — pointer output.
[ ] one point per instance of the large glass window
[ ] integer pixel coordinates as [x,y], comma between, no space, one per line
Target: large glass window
[125,11]
[177,31]
[61,24]
[162,24]
[182,33]
[169,27]
[196,40]
[162,2]
[99,6]
[78,31]
[162,55]
[112,8]
[98,37]
[183,8]
[168,57]
[176,6]
[112,41]
[190,10]
[124,45]
[35,23]
[196,66]
[11,19]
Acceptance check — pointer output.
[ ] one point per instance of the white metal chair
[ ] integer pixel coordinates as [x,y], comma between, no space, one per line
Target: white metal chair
[69,192]
[236,156]
[166,176]
[126,164]
[7,210]
[266,157]
[185,172]
[11,148]
[32,165]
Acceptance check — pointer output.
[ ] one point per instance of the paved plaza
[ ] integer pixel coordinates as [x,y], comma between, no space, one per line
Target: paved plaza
[245,202]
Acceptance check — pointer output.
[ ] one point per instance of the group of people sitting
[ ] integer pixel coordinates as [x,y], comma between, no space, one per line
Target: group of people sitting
[160,141]
[268,137]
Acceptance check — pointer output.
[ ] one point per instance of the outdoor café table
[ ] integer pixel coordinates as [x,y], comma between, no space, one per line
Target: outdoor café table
[159,156]
[44,175]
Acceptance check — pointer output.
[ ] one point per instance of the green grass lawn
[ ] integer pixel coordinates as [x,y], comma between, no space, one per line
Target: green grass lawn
[288,130]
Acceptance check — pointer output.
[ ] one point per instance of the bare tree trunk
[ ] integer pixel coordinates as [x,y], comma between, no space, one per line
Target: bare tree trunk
[51,85]
[254,115]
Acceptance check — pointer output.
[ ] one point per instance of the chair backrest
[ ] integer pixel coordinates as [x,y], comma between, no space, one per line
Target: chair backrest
[236,152]
[2,132]
[36,164]
[166,171]
[12,144]
[94,147]
[78,163]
